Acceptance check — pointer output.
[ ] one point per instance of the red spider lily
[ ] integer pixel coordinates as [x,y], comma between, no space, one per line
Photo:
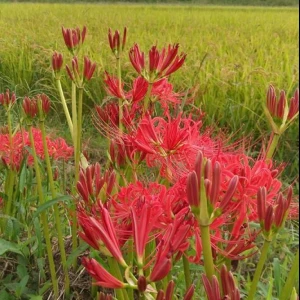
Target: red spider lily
[161,92]
[173,240]
[73,38]
[272,216]
[294,106]
[137,58]
[74,73]
[96,232]
[189,293]
[57,61]
[58,148]
[139,90]
[113,86]
[161,64]
[91,183]
[142,283]
[103,296]
[279,114]
[30,107]
[114,41]
[171,145]
[6,99]
[101,276]
[44,103]
[88,69]
[212,287]
[212,179]
[141,228]
[252,176]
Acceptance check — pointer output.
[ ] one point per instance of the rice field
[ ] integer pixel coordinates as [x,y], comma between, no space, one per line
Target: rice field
[233,54]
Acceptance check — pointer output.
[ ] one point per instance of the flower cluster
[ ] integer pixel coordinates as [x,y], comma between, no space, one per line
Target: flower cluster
[58,148]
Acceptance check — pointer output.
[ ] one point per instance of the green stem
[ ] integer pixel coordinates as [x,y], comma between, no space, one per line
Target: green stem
[120,89]
[207,252]
[44,216]
[74,115]
[115,270]
[259,268]
[65,107]
[77,168]
[289,284]
[11,173]
[147,97]
[56,212]
[272,145]
[130,262]
[187,273]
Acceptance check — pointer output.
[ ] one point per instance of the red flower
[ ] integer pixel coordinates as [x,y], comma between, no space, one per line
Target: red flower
[6,99]
[73,38]
[88,69]
[58,148]
[114,41]
[102,277]
[96,232]
[57,61]
[30,107]
[212,287]
[161,64]
[113,86]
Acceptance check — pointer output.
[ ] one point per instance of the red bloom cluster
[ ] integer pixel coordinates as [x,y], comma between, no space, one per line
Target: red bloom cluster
[58,148]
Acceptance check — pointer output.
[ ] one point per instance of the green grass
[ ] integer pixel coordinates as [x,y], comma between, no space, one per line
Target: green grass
[234,53]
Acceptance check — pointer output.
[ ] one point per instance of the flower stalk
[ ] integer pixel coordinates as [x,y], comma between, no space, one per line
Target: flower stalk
[55,206]
[289,284]
[44,216]
[258,270]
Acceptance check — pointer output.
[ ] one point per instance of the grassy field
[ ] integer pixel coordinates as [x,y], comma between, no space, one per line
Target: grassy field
[233,55]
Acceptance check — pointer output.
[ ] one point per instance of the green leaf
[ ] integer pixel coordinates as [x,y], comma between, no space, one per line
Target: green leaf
[22,271]
[269,295]
[38,234]
[6,246]
[35,297]
[76,253]
[48,204]
[277,275]
[22,178]
[5,295]
[22,285]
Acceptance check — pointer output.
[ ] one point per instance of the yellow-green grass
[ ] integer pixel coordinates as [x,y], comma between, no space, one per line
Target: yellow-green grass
[233,55]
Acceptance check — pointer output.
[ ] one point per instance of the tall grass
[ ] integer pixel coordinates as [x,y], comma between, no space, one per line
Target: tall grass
[233,55]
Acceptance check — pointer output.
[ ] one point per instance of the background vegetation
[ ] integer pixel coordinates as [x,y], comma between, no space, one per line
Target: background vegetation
[196,2]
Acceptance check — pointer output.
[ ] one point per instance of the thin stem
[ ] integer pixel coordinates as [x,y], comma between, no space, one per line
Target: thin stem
[148,96]
[120,89]
[289,284]
[65,107]
[115,270]
[44,216]
[274,138]
[187,273]
[11,173]
[77,168]
[74,115]
[259,268]
[207,252]
[56,212]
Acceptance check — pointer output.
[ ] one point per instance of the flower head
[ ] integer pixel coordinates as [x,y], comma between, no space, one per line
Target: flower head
[115,41]
[7,99]
[102,277]
[74,38]
[161,64]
